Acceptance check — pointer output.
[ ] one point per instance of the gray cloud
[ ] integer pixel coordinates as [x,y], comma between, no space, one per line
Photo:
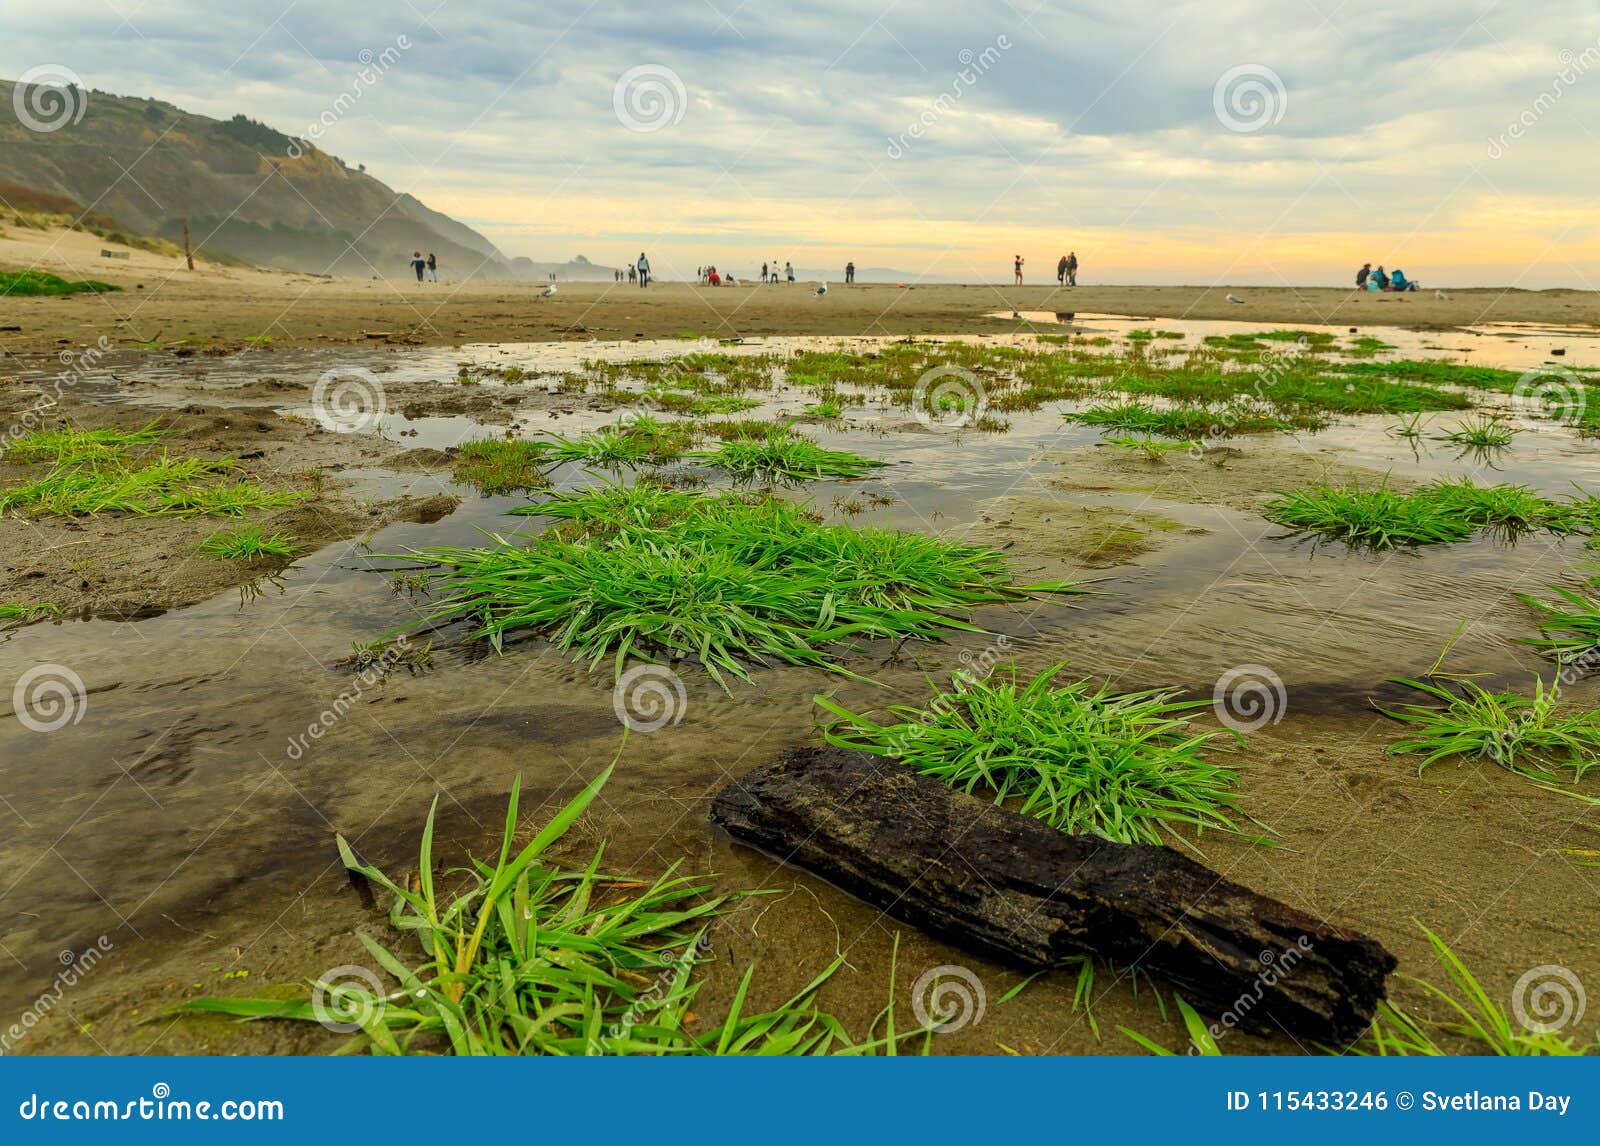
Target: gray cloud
[1097,117]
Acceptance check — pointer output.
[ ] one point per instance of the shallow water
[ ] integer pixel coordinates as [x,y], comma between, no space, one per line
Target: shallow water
[1508,346]
[174,816]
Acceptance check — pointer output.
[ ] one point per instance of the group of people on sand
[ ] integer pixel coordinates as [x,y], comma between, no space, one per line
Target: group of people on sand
[636,272]
[1379,280]
[425,264]
[1066,269]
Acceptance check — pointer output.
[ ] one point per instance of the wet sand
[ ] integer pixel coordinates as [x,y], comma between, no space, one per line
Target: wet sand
[173,820]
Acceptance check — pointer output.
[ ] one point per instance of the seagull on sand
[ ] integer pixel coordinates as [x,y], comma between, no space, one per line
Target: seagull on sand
[1441,296]
[821,290]
[548,291]
[1234,298]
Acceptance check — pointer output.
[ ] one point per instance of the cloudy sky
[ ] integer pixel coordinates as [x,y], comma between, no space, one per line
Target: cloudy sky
[1230,140]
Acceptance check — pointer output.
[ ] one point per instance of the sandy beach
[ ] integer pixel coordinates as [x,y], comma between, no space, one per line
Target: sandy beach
[162,301]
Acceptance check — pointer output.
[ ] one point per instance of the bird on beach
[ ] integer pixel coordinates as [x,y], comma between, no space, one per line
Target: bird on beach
[548,291]
[1441,296]
[1234,298]
[822,290]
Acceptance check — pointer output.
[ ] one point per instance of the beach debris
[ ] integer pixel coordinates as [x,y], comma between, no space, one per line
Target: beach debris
[1234,298]
[1559,351]
[1006,884]
[1441,296]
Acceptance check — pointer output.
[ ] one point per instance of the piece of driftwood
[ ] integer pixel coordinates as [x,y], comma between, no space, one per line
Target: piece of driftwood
[1006,884]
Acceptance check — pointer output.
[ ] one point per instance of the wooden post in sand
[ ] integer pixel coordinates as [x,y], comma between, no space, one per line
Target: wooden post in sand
[188,255]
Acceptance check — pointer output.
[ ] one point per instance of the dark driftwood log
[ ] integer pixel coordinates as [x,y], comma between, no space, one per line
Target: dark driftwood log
[996,881]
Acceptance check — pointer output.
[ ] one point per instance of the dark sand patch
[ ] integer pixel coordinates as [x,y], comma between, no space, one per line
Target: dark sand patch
[1239,478]
[1057,528]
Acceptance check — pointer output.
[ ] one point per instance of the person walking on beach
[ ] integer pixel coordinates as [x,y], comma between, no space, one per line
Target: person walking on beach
[763,272]
[644,270]
[1061,271]
[1018,270]
[418,264]
[1072,268]
[788,270]
[433,268]
[850,272]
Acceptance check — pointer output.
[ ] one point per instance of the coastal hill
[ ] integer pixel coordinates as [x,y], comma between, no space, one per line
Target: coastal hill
[248,190]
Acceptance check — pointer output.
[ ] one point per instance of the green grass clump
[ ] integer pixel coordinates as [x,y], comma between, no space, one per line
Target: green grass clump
[698,406]
[1409,427]
[1486,432]
[782,455]
[641,441]
[1186,422]
[1435,373]
[162,485]
[1309,337]
[248,543]
[14,615]
[1527,735]
[1366,346]
[1233,341]
[532,957]
[502,465]
[1442,512]
[1151,449]
[1477,1020]
[67,446]
[21,284]
[1569,627]
[733,580]
[1359,395]
[1081,757]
